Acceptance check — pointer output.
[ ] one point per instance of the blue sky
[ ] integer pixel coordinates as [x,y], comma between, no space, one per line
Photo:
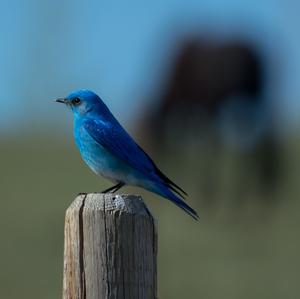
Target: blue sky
[121,51]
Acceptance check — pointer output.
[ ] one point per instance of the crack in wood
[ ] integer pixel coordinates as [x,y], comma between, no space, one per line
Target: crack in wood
[81,251]
[106,250]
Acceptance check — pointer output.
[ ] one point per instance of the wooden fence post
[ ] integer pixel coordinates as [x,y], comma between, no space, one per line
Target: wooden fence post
[110,248]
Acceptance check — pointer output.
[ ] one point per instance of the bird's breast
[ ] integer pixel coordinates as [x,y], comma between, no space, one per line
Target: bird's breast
[95,155]
[100,160]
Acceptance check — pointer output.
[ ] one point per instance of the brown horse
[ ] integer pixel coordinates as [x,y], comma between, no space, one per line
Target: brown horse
[214,84]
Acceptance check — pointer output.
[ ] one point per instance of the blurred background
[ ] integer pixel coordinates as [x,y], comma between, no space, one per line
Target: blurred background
[208,88]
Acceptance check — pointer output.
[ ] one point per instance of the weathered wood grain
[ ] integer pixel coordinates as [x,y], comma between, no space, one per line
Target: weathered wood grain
[110,248]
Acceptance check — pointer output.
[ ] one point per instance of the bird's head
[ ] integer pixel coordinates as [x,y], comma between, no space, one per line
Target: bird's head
[84,102]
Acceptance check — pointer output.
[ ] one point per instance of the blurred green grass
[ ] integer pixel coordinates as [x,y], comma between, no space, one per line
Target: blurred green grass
[247,252]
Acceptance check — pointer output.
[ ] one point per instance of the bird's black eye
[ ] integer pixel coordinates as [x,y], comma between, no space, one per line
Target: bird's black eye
[76,101]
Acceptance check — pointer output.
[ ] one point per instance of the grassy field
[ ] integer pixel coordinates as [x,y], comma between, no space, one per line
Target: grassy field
[250,250]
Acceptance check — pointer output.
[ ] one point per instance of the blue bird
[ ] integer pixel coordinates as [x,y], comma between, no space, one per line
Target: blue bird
[110,151]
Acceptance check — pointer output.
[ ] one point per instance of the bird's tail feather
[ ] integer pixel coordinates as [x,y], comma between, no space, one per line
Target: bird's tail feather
[165,192]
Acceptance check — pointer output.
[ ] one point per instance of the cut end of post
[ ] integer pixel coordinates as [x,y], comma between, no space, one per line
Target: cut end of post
[108,202]
[110,248]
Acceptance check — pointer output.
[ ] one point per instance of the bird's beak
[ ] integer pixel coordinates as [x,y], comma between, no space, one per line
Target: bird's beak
[61,100]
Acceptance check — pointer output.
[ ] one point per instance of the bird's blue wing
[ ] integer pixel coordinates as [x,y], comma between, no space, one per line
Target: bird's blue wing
[117,141]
